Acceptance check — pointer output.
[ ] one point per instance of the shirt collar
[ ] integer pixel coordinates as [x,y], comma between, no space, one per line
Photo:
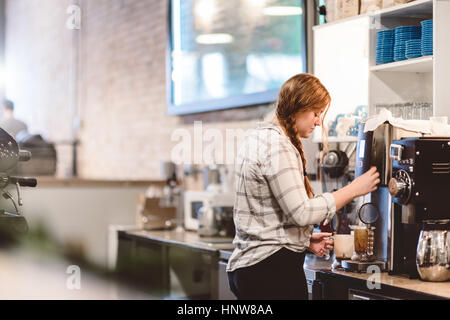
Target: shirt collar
[270,125]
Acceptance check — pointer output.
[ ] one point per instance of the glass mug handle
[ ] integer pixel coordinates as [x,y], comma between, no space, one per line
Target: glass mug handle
[326,256]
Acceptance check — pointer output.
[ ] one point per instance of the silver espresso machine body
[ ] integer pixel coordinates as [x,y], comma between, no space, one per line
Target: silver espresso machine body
[373,150]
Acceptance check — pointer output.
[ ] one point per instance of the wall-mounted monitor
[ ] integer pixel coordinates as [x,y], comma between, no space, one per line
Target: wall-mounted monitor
[226,54]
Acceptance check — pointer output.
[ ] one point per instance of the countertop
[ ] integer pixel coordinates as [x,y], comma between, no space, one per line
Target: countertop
[186,238]
[315,264]
[312,266]
[51,181]
[440,289]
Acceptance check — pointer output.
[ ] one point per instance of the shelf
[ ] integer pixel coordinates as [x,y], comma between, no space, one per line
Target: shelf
[416,9]
[420,65]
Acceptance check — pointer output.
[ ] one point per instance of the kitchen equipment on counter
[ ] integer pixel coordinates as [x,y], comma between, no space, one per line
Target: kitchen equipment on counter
[193,178]
[193,201]
[216,216]
[364,241]
[151,216]
[44,156]
[171,195]
[12,224]
[433,251]
[210,213]
[420,187]
[207,225]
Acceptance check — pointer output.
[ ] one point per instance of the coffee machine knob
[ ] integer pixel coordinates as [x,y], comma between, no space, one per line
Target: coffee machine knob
[400,186]
[396,187]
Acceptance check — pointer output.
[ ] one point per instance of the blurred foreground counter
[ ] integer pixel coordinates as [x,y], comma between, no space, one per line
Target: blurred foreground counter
[32,274]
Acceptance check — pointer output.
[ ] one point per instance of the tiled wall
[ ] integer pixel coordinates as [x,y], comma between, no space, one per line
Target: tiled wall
[116,65]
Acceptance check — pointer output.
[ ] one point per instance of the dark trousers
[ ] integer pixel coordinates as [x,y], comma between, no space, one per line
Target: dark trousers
[279,276]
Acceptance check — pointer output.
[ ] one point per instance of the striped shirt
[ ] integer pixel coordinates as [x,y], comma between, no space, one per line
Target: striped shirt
[272,209]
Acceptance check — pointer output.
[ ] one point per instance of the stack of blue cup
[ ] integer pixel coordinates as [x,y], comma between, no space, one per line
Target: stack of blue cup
[427,37]
[385,46]
[413,48]
[403,34]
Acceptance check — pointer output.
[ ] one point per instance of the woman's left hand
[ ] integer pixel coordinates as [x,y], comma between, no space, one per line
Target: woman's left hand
[321,243]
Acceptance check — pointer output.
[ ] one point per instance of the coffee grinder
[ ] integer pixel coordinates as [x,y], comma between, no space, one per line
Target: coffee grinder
[372,150]
[420,187]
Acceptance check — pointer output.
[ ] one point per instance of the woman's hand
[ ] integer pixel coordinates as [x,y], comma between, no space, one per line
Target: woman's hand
[362,185]
[320,243]
[366,183]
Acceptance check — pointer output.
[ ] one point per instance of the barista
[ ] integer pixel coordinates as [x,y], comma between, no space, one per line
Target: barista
[276,208]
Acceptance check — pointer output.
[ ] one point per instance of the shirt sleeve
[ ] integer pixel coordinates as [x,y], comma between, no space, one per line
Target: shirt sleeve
[283,170]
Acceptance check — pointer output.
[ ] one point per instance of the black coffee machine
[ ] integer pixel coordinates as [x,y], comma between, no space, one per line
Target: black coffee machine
[420,187]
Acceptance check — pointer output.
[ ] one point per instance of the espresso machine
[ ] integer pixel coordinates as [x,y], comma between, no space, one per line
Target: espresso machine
[420,218]
[13,224]
[215,216]
[410,233]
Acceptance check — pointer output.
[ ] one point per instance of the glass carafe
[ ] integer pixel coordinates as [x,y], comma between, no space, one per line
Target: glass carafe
[433,255]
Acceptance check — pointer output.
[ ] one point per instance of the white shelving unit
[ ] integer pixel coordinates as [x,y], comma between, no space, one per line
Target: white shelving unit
[420,65]
[416,9]
[424,79]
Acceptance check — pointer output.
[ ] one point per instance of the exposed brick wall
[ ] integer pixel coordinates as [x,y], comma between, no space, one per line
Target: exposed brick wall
[124,92]
[125,131]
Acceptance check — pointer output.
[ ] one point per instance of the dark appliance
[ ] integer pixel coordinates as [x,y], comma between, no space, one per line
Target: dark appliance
[420,187]
[44,156]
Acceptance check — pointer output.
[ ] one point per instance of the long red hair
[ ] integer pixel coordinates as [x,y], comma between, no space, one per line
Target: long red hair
[303,92]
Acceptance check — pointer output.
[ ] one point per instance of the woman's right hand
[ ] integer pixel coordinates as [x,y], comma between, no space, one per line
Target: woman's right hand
[362,185]
[366,183]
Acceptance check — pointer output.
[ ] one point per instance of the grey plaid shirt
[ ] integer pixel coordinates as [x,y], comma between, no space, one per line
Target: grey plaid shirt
[272,209]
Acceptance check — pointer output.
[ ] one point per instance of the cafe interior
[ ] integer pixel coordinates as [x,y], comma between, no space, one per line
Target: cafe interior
[122,121]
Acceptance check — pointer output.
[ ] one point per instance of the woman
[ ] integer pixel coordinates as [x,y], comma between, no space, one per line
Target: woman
[275,207]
